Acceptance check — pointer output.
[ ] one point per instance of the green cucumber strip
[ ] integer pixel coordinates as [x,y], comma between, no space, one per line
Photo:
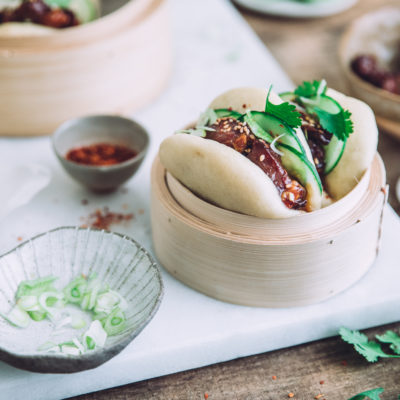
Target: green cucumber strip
[256,128]
[299,166]
[287,96]
[333,153]
[274,127]
[335,149]
[224,112]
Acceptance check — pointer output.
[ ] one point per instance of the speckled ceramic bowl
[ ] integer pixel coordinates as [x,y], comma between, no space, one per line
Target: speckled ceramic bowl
[66,253]
[377,33]
[101,129]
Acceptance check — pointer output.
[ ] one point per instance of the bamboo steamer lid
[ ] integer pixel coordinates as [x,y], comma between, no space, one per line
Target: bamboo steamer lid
[262,262]
[115,64]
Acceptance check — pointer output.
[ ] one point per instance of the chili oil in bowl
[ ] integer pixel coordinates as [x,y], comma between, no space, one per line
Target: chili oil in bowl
[101,152]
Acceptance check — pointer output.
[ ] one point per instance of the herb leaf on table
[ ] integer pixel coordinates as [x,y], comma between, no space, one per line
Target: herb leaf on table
[391,337]
[369,349]
[372,394]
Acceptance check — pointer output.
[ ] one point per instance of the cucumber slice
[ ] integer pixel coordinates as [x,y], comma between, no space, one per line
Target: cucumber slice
[224,112]
[299,166]
[334,150]
[288,96]
[272,127]
[333,153]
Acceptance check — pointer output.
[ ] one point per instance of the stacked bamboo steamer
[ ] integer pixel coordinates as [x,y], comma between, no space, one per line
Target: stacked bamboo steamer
[263,262]
[115,64]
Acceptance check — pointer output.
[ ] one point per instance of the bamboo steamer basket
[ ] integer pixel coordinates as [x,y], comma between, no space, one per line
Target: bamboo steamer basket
[115,64]
[265,262]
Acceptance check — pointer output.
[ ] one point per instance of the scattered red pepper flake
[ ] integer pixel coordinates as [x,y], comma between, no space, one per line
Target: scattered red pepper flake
[344,362]
[321,382]
[274,377]
[100,154]
[244,105]
[19,238]
[318,396]
[206,396]
[103,219]
[291,395]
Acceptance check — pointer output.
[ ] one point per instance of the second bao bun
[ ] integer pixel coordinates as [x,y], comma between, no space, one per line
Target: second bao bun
[223,176]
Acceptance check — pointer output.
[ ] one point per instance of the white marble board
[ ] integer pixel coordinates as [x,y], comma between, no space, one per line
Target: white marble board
[214,51]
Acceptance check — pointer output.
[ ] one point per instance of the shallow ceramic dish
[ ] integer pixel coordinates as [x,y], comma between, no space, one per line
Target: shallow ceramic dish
[66,253]
[375,33]
[293,9]
[101,129]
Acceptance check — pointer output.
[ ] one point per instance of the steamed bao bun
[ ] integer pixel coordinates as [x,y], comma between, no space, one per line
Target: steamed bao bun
[226,178]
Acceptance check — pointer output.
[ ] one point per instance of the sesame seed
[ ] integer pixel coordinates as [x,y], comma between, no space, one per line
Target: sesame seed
[262,157]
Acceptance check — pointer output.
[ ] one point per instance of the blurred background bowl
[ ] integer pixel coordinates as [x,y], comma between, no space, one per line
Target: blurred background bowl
[115,64]
[376,33]
[101,129]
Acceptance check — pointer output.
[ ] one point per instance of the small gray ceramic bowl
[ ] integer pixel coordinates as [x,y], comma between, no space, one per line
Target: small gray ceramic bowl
[101,129]
[67,253]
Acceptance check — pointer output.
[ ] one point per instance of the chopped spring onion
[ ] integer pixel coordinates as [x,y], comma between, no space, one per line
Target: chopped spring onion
[115,322]
[273,147]
[38,299]
[70,348]
[95,336]
[109,300]
[56,300]
[28,303]
[36,287]
[75,291]
[17,317]
[93,288]
[37,315]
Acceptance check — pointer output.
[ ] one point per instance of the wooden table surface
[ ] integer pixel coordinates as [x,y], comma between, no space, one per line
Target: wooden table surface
[307,49]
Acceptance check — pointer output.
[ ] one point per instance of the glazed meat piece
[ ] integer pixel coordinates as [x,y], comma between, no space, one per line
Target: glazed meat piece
[38,12]
[238,136]
[232,133]
[317,137]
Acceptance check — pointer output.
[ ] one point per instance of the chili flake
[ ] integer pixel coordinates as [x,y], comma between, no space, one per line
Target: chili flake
[101,154]
[103,219]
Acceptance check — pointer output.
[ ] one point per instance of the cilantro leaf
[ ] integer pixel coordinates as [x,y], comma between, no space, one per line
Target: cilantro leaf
[372,394]
[286,112]
[338,124]
[392,338]
[311,89]
[370,350]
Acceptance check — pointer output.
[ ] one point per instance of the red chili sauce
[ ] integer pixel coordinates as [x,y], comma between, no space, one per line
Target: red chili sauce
[101,154]
[238,136]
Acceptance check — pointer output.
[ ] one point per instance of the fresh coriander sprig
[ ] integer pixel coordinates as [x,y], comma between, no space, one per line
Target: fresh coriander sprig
[392,338]
[372,394]
[371,350]
[286,112]
[311,89]
[310,95]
